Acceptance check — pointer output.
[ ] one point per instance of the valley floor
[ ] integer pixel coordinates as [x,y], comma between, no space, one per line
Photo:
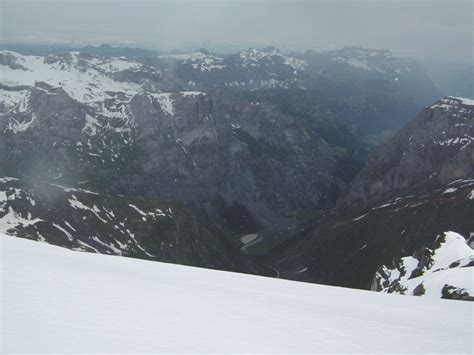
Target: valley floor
[57,300]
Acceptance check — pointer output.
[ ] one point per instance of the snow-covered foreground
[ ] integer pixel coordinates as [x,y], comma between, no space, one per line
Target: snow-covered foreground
[57,300]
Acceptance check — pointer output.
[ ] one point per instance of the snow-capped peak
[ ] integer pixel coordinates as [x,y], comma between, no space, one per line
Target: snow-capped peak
[186,56]
[201,60]
[462,100]
[255,55]
[451,103]
[379,60]
[269,55]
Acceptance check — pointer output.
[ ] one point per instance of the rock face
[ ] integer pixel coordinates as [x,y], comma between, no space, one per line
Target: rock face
[369,90]
[440,270]
[213,151]
[236,163]
[415,187]
[435,148]
[132,226]
[239,155]
[217,147]
[345,248]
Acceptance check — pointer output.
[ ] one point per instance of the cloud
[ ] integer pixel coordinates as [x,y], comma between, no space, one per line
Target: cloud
[415,28]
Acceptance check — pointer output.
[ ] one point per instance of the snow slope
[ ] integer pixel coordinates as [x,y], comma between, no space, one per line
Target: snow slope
[57,300]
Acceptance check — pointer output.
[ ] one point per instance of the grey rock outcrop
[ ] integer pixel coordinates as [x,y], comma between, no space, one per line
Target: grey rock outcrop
[435,148]
[436,271]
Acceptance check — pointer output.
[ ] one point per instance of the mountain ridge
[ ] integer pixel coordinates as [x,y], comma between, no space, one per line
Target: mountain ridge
[236,162]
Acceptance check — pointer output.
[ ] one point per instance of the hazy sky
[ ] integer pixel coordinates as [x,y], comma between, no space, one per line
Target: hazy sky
[420,28]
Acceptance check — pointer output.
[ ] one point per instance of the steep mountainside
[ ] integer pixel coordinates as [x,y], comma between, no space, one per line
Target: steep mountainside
[435,148]
[369,90]
[133,226]
[220,152]
[414,188]
[107,123]
[223,161]
[239,164]
[346,248]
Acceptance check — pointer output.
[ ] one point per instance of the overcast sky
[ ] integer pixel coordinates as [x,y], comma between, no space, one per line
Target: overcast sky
[413,28]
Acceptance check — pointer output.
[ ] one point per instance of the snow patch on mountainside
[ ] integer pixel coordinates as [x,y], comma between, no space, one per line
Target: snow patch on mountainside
[13,219]
[460,104]
[452,249]
[356,63]
[185,56]
[90,126]
[113,65]
[62,301]
[201,61]
[462,141]
[434,272]
[366,59]
[191,93]
[464,101]
[295,63]
[84,85]
[256,57]
[11,98]
[165,101]
[18,126]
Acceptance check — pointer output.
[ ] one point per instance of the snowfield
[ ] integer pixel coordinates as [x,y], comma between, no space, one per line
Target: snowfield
[62,301]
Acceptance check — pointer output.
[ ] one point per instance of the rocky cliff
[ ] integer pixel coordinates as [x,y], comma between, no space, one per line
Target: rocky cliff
[444,269]
[433,149]
[416,186]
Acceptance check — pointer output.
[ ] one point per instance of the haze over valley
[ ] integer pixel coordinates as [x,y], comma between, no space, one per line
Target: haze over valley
[295,147]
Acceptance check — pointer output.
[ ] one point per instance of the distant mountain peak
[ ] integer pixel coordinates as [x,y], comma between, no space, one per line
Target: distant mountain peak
[451,102]
[203,51]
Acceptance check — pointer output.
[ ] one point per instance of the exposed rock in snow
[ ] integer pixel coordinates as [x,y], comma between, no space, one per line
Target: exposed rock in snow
[270,55]
[450,103]
[13,219]
[81,219]
[443,271]
[11,97]
[381,61]
[166,102]
[191,93]
[202,61]
[464,101]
